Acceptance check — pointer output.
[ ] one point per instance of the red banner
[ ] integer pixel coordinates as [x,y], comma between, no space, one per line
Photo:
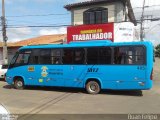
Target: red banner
[90,32]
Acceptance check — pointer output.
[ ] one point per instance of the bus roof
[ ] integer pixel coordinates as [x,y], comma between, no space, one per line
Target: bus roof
[87,44]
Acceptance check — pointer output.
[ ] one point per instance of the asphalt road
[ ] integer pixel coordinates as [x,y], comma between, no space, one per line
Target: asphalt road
[42,100]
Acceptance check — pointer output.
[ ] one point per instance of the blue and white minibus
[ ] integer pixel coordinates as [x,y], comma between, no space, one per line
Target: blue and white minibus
[93,65]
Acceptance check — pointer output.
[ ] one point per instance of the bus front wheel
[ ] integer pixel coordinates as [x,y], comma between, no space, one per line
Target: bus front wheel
[93,87]
[18,83]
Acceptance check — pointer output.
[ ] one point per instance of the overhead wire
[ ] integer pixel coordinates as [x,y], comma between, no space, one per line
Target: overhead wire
[56,25]
[62,14]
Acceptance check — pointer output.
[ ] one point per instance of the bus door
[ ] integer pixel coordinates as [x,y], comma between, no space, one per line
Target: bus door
[38,68]
[24,69]
[73,67]
[129,66]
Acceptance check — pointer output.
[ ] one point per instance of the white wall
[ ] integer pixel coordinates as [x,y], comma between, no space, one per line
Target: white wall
[119,12]
[124,32]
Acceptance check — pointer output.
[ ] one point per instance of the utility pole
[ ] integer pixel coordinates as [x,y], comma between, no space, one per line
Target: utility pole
[142,20]
[5,52]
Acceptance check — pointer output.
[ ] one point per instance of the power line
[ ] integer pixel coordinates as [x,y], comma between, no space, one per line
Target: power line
[26,23]
[65,25]
[155,19]
[151,19]
[35,21]
[61,25]
[152,28]
[36,15]
[40,26]
[62,14]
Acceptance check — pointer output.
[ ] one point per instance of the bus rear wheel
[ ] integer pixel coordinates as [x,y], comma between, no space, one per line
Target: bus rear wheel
[18,83]
[93,87]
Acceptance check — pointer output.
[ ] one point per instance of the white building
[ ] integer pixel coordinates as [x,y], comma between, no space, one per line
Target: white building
[101,11]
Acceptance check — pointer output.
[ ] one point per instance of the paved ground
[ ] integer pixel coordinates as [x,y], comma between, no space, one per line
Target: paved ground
[75,101]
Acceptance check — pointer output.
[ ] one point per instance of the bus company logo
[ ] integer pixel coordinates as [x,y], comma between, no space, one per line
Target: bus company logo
[31,69]
[92,69]
[44,72]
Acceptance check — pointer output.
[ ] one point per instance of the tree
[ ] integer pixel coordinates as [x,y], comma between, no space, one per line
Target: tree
[157,51]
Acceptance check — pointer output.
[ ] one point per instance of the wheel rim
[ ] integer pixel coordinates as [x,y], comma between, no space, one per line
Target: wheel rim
[19,84]
[93,87]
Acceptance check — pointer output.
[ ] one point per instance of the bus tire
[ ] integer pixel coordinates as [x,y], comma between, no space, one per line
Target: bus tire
[19,83]
[93,87]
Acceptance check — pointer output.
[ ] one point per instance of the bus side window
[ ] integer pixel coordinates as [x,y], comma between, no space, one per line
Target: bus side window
[34,59]
[101,55]
[139,55]
[79,56]
[120,55]
[129,55]
[56,56]
[104,55]
[92,55]
[45,56]
[67,57]
[117,56]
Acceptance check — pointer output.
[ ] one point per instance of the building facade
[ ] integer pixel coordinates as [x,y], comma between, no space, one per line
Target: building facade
[101,11]
[112,20]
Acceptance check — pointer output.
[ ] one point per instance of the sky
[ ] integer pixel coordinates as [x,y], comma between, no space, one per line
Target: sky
[53,13]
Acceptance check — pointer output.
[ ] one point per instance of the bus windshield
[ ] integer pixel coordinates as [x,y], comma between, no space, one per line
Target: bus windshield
[21,58]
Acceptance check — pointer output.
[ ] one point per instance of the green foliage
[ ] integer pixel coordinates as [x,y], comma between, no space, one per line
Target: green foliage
[157,51]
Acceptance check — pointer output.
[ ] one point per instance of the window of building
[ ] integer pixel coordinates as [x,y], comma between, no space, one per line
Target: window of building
[95,16]
[129,55]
